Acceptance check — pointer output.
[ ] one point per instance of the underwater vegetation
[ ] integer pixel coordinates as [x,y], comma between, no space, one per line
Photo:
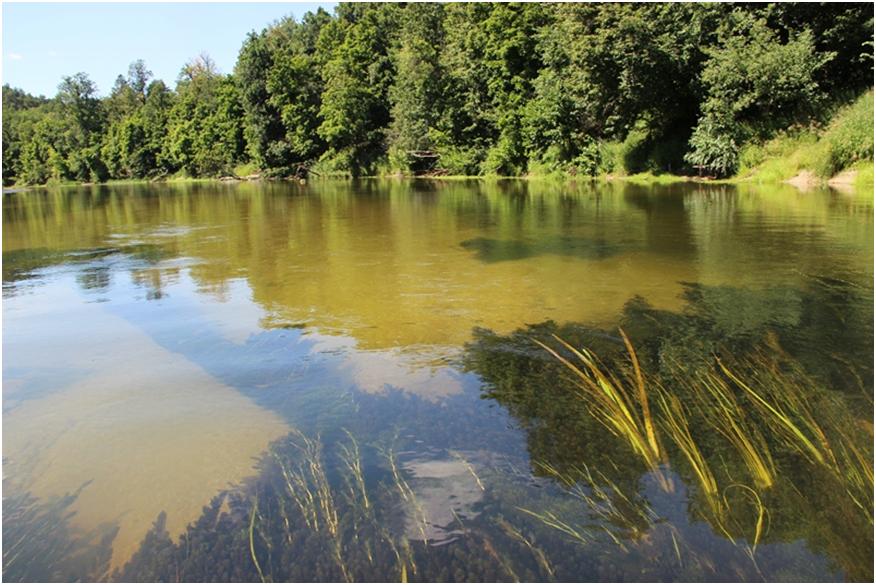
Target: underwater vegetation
[693,446]
[340,510]
[767,450]
[315,514]
[39,545]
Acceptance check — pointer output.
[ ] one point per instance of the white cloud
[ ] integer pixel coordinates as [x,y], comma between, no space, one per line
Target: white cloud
[14,56]
[53,53]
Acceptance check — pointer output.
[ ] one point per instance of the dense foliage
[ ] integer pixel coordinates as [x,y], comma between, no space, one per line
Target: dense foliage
[476,88]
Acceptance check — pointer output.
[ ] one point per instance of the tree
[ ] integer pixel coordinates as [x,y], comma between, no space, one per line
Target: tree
[416,95]
[138,77]
[357,78]
[295,86]
[754,85]
[262,125]
[21,111]
[205,128]
[78,96]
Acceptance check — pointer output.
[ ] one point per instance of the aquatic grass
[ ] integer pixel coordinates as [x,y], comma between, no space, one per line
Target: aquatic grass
[761,523]
[784,407]
[857,470]
[299,490]
[39,543]
[581,535]
[761,405]
[726,524]
[722,411]
[500,559]
[408,495]
[676,425]
[539,555]
[828,439]
[633,517]
[614,402]
[469,468]
[252,552]
[352,459]
[782,402]
[309,487]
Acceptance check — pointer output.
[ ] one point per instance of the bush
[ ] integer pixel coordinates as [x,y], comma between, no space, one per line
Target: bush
[634,149]
[587,162]
[457,160]
[713,147]
[503,158]
[611,159]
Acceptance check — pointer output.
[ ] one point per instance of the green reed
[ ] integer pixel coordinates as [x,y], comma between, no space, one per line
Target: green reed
[619,402]
[759,404]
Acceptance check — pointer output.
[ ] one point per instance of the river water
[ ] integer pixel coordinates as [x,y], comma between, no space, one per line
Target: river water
[341,381]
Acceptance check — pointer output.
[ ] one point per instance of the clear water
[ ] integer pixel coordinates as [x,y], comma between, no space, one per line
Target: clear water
[337,381]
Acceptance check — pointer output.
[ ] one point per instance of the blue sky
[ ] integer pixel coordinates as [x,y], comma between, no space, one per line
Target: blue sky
[43,42]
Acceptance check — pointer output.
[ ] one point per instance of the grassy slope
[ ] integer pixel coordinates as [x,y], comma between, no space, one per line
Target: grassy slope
[844,144]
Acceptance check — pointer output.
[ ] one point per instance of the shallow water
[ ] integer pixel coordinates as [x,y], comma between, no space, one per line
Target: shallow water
[173,347]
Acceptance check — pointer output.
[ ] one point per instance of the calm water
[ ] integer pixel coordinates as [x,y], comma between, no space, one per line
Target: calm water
[339,381]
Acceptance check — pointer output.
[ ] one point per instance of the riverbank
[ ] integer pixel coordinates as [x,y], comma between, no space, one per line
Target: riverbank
[856,178]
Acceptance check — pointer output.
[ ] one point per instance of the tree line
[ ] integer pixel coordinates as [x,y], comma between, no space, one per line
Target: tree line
[473,89]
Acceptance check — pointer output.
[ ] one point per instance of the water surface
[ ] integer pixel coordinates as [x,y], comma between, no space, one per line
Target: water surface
[185,363]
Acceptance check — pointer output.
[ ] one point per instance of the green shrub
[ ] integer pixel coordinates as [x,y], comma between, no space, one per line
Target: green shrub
[503,158]
[457,160]
[633,150]
[587,162]
[713,147]
[864,180]
[611,159]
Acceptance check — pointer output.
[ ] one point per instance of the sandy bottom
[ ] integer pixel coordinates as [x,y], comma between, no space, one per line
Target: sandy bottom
[144,430]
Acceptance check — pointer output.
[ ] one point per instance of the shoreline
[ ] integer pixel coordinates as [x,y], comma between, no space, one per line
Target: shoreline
[845,180]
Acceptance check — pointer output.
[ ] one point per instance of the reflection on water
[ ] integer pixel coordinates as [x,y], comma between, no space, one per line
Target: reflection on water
[344,374]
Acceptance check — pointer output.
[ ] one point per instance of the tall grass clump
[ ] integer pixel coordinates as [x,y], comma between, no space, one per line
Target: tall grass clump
[780,158]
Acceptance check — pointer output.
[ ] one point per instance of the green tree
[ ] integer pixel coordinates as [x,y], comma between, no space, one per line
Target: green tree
[754,85]
[357,77]
[205,129]
[417,93]
[21,111]
[295,86]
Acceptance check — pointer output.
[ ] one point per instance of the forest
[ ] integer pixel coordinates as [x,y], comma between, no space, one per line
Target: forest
[465,89]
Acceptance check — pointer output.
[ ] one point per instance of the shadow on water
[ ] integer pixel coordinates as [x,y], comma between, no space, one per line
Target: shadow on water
[490,250]
[93,265]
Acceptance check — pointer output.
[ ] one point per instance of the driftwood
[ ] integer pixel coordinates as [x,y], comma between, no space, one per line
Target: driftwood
[424,154]
[424,163]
